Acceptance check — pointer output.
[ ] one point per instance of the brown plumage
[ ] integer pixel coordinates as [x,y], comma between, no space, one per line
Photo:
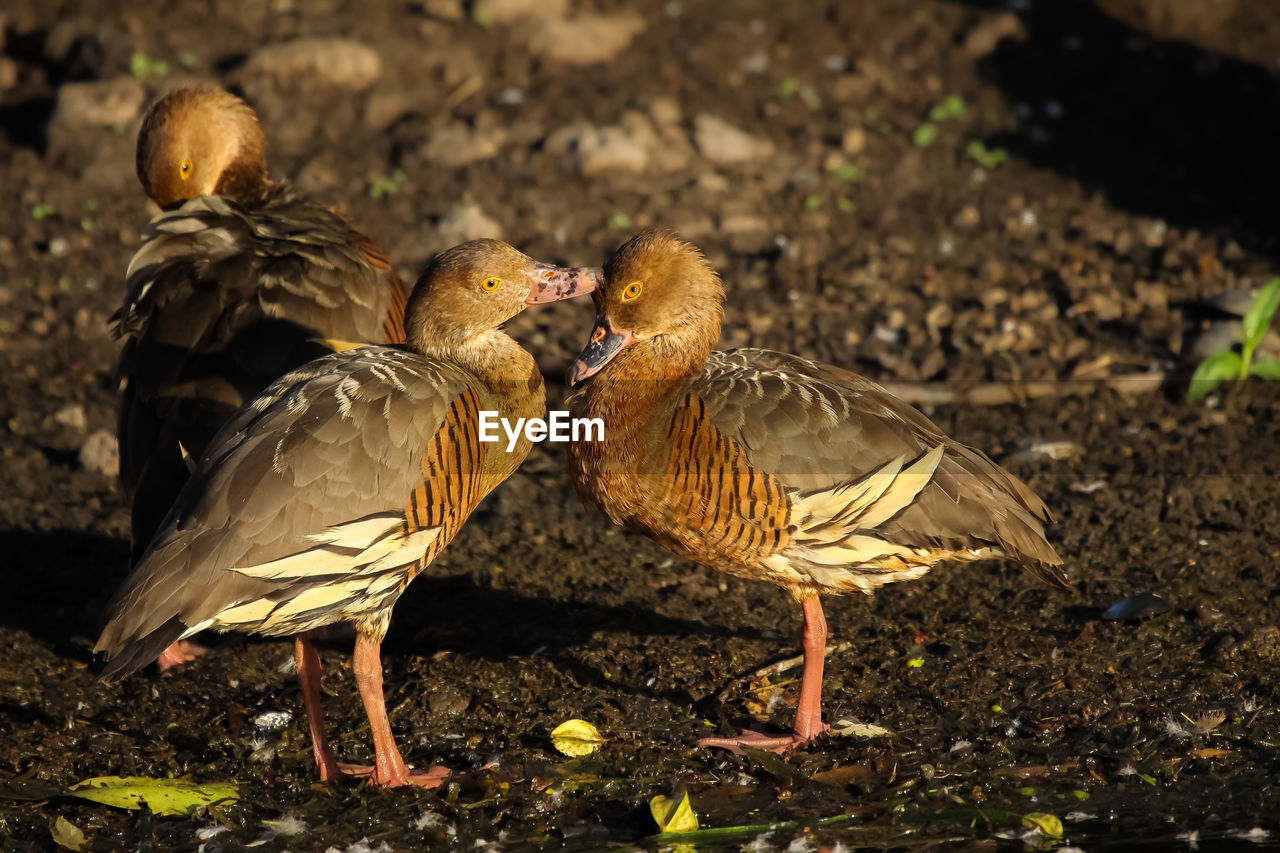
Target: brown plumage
[236,283]
[328,493]
[770,467]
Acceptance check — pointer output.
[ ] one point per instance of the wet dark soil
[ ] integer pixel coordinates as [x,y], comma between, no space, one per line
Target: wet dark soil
[1139,188]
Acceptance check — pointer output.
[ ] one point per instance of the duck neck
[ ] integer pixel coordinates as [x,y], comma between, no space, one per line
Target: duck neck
[495,359]
[643,376]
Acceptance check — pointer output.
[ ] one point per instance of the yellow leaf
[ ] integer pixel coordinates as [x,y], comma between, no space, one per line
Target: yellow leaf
[1046,823]
[673,816]
[576,737]
[67,834]
[161,796]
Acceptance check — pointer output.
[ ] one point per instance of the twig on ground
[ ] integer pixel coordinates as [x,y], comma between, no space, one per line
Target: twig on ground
[777,667]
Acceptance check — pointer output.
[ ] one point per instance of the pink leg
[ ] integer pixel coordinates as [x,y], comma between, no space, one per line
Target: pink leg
[809,711]
[309,674]
[389,768]
[179,653]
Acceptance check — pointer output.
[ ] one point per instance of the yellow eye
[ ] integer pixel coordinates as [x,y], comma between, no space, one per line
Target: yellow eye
[631,291]
[185,169]
[491,283]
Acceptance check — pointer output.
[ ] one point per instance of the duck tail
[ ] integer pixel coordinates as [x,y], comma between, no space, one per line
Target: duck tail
[127,655]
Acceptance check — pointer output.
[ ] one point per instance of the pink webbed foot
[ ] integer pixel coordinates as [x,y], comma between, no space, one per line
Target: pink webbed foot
[433,776]
[180,653]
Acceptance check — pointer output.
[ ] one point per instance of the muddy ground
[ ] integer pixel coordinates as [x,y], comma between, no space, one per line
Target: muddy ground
[1138,195]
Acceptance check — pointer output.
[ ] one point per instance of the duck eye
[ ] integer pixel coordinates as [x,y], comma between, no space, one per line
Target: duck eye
[491,283]
[185,168]
[631,291]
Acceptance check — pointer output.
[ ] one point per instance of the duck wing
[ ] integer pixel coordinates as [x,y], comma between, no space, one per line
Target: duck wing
[854,460]
[316,503]
[220,301]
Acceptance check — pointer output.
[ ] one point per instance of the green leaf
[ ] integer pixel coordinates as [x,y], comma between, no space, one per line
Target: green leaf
[812,202]
[66,834]
[1223,364]
[951,107]
[161,796]
[925,135]
[848,171]
[1265,368]
[986,157]
[1258,318]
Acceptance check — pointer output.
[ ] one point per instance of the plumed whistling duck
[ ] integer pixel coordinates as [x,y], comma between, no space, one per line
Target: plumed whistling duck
[237,282]
[771,467]
[328,493]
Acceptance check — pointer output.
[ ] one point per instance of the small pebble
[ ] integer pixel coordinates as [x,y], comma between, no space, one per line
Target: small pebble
[100,454]
[269,721]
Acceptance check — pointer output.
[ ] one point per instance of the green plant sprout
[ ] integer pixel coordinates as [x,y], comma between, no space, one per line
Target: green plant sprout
[925,135]
[987,158]
[143,66]
[952,106]
[1228,364]
[848,171]
[388,185]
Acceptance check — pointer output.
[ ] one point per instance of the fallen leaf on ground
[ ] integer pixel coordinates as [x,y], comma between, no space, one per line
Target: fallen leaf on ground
[672,815]
[576,737]
[1210,752]
[161,796]
[1046,823]
[844,774]
[848,728]
[67,834]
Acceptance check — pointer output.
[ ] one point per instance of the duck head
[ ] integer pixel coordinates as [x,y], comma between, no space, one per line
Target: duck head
[201,141]
[470,290]
[658,311]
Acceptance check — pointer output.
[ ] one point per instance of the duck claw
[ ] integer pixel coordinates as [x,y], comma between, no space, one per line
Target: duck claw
[432,777]
[754,740]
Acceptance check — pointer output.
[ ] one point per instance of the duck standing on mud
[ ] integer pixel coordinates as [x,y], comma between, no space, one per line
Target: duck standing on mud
[327,494]
[236,284]
[771,467]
